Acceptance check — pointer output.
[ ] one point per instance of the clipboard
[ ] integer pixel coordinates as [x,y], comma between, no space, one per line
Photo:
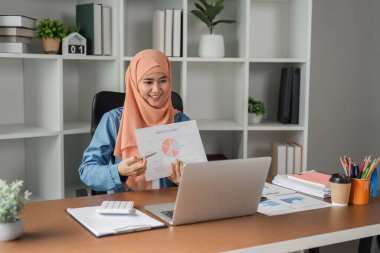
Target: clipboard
[112,224]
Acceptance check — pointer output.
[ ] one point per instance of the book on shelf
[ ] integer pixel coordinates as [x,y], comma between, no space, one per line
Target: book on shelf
[17,31]
[10,47]
[312,177]
[278,165]
[17,21]
[177,31]
[14,39]
[169,32]
[294,105]
[89,17]
[288,100]
[106,30]
[297,157]
[289,158]
[159,30]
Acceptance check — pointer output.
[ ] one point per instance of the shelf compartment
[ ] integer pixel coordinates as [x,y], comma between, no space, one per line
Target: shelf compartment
[234,34]
[81,81]
[36,161]
[260,142]
[76,127]
[264,84]
[74,146]
[138,17]
[215,91]
[279,28]
[274,126]
[220,125]
[16,131]
[29,90]
[177,75]
[229,143]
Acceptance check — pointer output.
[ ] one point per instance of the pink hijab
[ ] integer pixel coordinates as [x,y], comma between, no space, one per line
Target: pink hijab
[137,112]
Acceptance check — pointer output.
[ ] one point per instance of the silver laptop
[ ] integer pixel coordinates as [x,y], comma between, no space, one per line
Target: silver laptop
[216,190]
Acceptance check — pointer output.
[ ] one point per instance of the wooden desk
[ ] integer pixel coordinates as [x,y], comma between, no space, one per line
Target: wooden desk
[50,229]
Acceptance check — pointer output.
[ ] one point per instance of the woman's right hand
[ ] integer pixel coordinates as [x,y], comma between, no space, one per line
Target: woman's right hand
[132,166]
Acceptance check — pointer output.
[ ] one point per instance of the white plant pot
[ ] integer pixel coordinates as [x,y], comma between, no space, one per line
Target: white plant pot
[11,230]
[254,118]
[211,45]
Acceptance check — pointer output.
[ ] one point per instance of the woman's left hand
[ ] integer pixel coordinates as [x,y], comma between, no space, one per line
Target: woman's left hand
[176,171]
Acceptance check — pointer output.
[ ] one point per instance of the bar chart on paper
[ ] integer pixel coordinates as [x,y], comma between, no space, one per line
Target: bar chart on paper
[180,141]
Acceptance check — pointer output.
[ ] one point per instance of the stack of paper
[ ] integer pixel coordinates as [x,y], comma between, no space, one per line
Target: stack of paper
[302,186]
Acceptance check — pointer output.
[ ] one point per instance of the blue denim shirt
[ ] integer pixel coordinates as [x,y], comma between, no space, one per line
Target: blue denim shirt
[99,166]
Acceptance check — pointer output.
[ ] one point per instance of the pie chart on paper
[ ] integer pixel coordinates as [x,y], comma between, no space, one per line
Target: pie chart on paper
[170,147]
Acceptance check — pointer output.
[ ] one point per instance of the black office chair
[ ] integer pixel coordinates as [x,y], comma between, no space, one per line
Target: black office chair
[105,101]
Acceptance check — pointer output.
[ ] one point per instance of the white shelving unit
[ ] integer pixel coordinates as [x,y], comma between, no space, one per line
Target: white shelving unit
[45,100]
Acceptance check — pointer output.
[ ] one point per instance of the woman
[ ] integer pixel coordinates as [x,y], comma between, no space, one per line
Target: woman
[112,154]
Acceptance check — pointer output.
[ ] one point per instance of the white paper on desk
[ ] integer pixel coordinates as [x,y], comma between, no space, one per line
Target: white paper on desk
[275,190]
[290,203]
[180,141]
[101,225]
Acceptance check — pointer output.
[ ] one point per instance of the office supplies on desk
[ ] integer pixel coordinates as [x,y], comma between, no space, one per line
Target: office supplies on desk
[300,186]
[216,190]
[102,225]
[290,203]
[312,177]
[116,207]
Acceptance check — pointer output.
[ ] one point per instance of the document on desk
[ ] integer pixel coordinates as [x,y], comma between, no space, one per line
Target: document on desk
[111,224]
[180,141]
[275,190]
[290,203]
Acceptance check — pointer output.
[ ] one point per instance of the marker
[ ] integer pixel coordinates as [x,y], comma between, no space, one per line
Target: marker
[147,156]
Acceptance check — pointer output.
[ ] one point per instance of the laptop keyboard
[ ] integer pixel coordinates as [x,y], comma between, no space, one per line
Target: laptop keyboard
[168,213]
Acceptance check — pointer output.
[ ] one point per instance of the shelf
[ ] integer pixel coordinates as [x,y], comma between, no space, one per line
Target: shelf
[76,127]
[56,56]
[16,131]
[277,60]
[274,126]
[218,125]
[29,56]
[199,59]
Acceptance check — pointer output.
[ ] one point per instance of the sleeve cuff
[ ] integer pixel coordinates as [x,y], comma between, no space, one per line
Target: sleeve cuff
[115,174]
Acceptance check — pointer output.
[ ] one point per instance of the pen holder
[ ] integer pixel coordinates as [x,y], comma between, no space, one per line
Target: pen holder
[359,194]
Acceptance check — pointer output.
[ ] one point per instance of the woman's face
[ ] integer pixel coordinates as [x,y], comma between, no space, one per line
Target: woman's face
[154,88]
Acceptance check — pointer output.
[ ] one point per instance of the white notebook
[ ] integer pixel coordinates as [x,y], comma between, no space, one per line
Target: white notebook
[102,225]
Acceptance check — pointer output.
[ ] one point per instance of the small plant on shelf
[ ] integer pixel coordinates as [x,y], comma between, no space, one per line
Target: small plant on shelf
[257,110]
[207,13]
[51,31]
[211,45]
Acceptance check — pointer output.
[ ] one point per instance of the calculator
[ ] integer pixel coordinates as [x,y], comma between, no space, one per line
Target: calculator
[116,207]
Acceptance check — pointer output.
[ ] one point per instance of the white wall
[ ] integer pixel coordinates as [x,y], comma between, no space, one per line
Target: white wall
[344,86]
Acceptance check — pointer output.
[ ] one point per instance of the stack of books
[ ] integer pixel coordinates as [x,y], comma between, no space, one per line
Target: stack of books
[167,32]
[16,33]
[310,182]
[286,158]
[95,21]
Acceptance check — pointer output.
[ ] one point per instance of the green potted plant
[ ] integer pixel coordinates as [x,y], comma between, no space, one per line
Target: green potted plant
[12,200]
[211,45]
[51,31]
[257,110]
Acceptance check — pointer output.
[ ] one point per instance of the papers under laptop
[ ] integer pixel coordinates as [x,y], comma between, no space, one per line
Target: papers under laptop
[216,190]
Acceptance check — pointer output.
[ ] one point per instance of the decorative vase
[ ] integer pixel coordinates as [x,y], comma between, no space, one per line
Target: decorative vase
[211,45]
[11,230]
[254,118]
[51,46]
